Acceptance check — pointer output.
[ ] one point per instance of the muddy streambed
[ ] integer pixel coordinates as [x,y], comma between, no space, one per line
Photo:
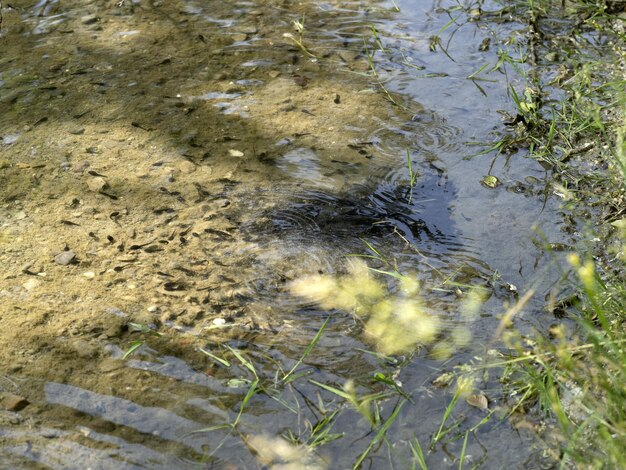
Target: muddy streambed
[169,170]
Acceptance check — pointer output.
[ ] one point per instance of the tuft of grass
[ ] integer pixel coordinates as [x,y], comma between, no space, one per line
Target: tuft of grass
[370,60]
[412,175]
[579,379]
[363,405]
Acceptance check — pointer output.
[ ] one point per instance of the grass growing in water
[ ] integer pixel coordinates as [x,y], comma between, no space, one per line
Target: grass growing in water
[582,380]
[568,107]
[579,378]
[298,26]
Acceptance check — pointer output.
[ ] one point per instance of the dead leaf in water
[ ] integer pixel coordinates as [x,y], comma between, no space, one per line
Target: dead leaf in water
[478,400]
[443,380]
[490,182]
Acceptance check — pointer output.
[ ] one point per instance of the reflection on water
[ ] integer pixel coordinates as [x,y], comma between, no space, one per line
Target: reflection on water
[153,421]
[60,450]
[303,164]
[175,368]
[235,165]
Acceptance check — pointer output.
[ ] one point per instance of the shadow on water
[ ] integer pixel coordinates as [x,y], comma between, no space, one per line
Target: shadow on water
[199,162]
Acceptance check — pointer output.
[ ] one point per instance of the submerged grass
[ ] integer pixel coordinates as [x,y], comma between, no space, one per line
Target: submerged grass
[289,375]
[298,26]
[380,434]
[441,432]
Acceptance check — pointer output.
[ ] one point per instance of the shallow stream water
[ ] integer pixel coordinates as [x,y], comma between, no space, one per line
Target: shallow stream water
[197,162]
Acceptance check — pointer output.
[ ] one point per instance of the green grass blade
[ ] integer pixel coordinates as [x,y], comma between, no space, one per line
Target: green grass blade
[321,431]
[377,38]
[397,275]
[224,362]
[477,72]
[374,250]
[334,390]
[418,454]
[246,363]
[380,434]
[212,428]
[251,391]
[462,458]
[133,347]
[484,420]
[308,349]
[412,174]
[446,415]
[298,375]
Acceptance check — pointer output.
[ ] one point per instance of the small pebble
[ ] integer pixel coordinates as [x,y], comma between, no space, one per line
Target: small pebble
[11,402]
[97,184]
[110,364]
[249,29]
[31,284]
[50,433]
[10,139]
[81,166]
[238,37]
[26,268]
[89,274]
[89,19]
[186,167]
[65,257]
[235,153]
[77,130]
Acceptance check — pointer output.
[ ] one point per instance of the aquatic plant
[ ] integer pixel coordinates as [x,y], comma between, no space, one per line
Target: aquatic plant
[298,26]
[137,344]
[412,174]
